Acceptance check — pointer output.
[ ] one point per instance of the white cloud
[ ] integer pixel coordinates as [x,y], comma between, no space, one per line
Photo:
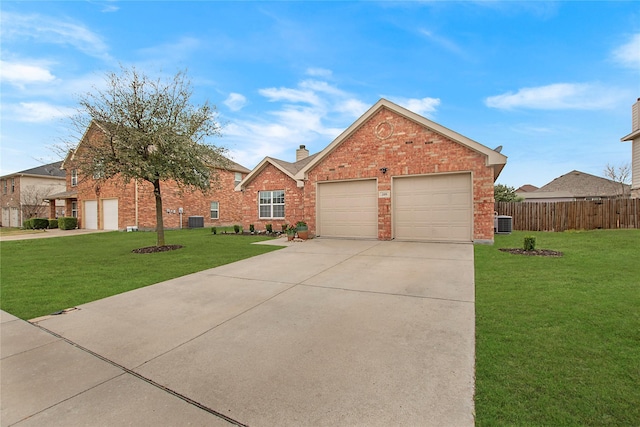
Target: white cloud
[353,107]
[423,106]
[313,113]
[558,96]
[32,112]
[45,29]
[629,53]
[23,73]
[289,95]
[235,101]
[319,72]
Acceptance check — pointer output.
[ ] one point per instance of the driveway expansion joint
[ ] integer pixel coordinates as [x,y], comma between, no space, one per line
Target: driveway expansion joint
[140,377]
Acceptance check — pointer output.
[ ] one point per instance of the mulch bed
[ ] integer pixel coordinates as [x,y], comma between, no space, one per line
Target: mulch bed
[535,252]
[154,249]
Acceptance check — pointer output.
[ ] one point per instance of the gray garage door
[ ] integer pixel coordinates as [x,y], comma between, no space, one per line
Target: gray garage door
[433,207]
[348,209]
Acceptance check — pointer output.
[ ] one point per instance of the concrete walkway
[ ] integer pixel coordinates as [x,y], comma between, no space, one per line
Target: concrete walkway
[321,333]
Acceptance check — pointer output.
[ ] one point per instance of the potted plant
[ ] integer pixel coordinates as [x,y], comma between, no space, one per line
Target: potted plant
[302,229]
[291,231]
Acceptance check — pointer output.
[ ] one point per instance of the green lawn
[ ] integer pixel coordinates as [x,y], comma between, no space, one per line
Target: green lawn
[41,276]
[558,339]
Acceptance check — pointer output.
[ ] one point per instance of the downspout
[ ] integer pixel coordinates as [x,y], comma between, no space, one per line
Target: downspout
[136,202]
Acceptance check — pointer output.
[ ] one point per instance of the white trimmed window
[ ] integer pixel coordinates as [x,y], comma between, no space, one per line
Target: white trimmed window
[237,179]
[271,204]
[74,209]
[74,177]
[215,210]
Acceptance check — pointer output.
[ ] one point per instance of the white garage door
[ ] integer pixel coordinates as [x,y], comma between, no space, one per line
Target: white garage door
[15,218]
[110,214]
[90,215]
[348,209]
[435,208]
[6,222]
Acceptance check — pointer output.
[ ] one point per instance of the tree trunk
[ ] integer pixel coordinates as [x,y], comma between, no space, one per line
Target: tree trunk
[159,221]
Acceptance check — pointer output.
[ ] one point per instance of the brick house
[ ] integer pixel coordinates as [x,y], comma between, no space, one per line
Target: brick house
[23,194]
[114,205]
[392,174]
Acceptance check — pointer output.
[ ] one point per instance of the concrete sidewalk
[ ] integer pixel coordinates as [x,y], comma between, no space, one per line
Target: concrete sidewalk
[325,332]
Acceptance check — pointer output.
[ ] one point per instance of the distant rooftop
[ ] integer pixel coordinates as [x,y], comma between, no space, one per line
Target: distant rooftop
[51,170]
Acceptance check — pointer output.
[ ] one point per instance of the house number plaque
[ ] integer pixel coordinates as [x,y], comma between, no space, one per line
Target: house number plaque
[384,194]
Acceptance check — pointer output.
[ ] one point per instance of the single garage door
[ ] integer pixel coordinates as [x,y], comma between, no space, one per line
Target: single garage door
[90,215]
[348,209]
[110,214]
[434,207]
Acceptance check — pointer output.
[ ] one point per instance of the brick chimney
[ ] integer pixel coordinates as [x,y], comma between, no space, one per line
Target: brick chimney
[301,153]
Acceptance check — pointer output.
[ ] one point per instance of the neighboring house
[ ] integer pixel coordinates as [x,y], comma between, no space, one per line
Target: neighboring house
[577,185]
[114,205]
[634,137]
[527,188]
[24,193]
[392,174]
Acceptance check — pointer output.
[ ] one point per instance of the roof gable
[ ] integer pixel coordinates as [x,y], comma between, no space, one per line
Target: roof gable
[288,168]
[493,158]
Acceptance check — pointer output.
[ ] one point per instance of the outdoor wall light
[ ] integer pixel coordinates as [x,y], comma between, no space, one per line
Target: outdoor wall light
[383,170]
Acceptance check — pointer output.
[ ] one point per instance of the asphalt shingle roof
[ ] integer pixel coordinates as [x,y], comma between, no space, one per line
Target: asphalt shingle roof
[581,184]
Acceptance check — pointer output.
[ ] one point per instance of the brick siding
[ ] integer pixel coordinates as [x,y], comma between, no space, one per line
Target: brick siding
[270,179]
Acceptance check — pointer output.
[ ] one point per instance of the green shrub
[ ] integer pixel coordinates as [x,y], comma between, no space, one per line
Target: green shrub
[284,228]
[67,223]
[28,224]
[236,228]
[269,228]
[529,243]
[252,228]
[53,223]
[40,223]
[214,230]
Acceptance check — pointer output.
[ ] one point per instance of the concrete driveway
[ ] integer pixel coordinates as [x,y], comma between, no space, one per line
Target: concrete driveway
[321,333]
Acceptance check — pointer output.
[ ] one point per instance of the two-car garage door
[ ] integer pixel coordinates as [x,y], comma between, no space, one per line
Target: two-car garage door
[109,214]
[427,208]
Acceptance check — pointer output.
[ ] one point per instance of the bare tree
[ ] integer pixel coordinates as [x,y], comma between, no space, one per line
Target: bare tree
[620,174]
[32,201]
[152,132]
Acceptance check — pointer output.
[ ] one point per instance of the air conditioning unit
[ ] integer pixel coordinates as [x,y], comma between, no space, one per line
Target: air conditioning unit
[503,224]
[196,222]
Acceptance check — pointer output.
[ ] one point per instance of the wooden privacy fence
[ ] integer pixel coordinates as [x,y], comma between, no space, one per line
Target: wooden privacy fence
[579,215]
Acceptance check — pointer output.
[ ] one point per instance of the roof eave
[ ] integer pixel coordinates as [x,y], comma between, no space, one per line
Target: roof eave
[633,135]
[256,171]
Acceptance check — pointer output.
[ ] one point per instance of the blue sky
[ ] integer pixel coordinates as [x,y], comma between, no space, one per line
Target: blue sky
[552,82]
